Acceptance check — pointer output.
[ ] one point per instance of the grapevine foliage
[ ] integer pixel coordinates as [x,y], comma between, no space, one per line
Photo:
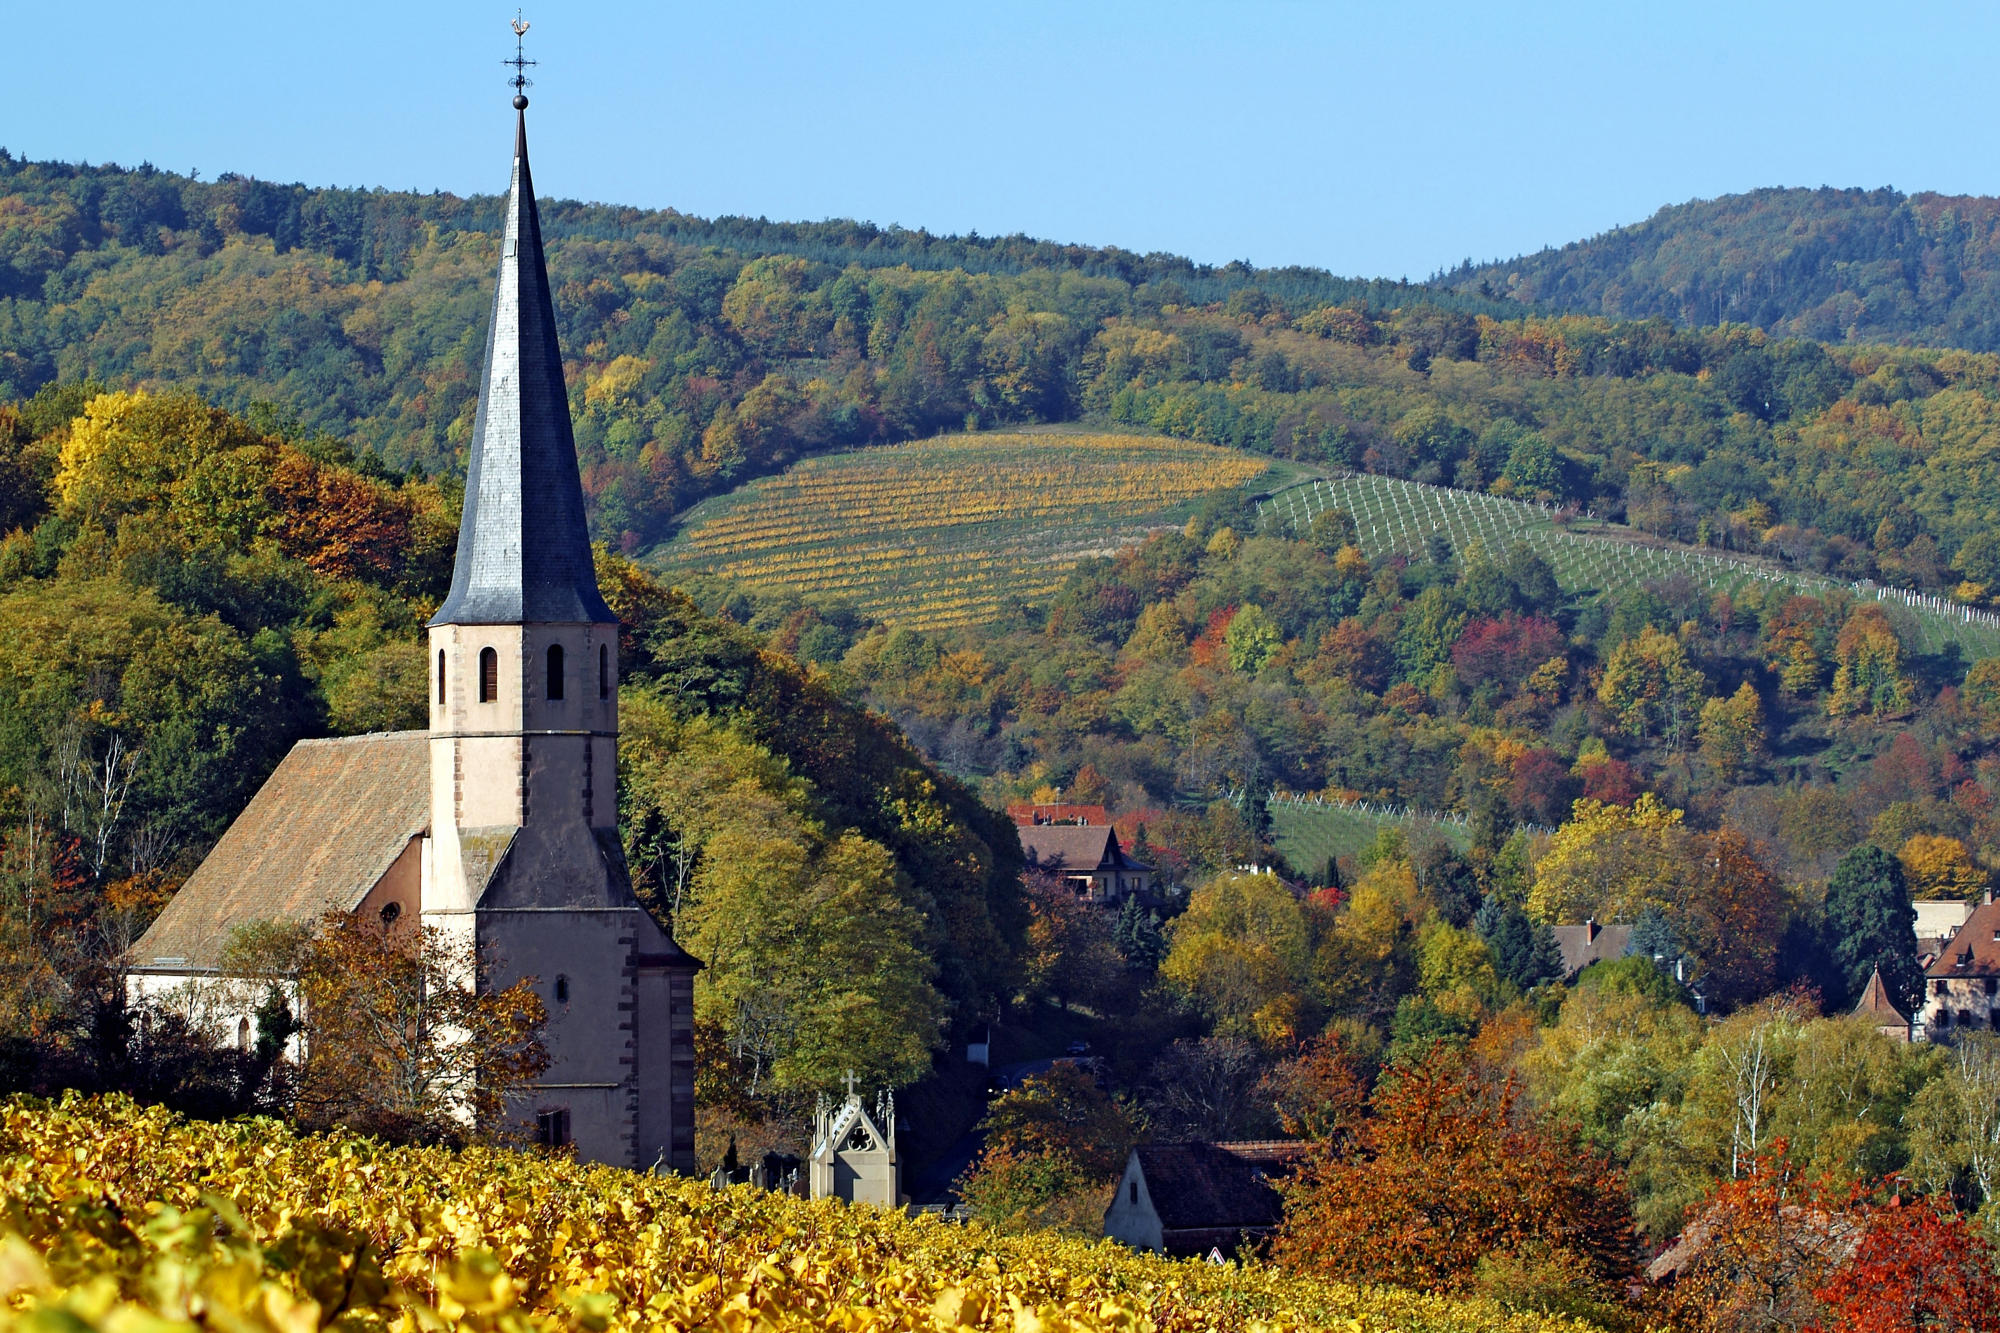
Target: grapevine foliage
[131,1220]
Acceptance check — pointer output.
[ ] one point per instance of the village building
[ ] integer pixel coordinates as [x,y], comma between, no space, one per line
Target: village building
[1962,984]
[1591,942]
[498,824]
[1876,1006]
[854,1153]
[1190,1198]
[1938,919]
[1090,859]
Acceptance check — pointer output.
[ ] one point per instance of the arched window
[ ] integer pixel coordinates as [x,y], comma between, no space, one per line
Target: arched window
[489,675]
[562,990]
[603,671]
[390,913]
[440,675]
[555,671]
[242,1034]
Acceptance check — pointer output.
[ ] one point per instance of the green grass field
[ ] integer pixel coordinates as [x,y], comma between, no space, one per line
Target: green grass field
[940,532]
[1397,516]
[1306,834]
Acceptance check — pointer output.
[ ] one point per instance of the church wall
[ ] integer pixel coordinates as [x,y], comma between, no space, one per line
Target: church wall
[401,884]
[590,1034]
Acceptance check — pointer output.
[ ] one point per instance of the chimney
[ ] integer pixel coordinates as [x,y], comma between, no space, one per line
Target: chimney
[1590,930]
[1989,895]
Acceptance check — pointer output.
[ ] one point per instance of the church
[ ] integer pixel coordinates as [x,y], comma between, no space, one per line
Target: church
[499,822]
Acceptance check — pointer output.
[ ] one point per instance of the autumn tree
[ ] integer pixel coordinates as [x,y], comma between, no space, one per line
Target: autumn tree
[1920,1267]
[1940,867]
[1054,1146]
[1758,1251]
[1452,1166]
[1732,733]
[1240,952]
[1868,676]
[1652,688]
[403,1040]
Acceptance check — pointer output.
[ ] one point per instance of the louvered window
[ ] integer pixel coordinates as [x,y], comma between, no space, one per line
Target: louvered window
[555,671]
[489,675]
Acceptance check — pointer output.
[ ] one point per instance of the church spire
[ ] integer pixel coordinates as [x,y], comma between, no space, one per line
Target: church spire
[523,547]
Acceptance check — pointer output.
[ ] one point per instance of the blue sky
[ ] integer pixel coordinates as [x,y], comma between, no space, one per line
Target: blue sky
[1369,139]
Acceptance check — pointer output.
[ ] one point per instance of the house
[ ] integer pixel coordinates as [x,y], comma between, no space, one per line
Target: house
[1876,1005]
[1057,813]
[854,1153]
[498,824]
[1591,943]
[1090,858]
[1190,1198]
[1938,919]
[1962,984]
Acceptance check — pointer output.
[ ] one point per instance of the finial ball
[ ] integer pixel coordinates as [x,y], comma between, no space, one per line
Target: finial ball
[520,102]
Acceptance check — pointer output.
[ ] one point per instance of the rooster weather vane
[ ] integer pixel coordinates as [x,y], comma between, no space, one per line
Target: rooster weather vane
[521,81]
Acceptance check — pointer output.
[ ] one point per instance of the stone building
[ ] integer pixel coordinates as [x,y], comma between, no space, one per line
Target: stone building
[854,1153]
[1962,984]
[498,824]
[1189,1198]
[1090,858]
[1876,1006]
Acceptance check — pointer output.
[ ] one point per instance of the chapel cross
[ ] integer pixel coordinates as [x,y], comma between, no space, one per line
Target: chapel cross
[850,1082]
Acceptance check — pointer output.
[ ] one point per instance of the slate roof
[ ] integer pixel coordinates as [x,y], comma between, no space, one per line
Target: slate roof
[1876,1004]
[1082,847]
[1975,950]
[523,547]
[1591,943]
[1208,1186]
[316,837]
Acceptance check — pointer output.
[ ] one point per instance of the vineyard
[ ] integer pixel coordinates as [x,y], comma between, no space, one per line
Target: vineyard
[1308,831]
[1397,516]
[941,532]
[130,1220]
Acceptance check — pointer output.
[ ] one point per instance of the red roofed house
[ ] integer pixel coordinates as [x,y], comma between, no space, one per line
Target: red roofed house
[1962,985]
[1875,1004]
[1090,858]
[1190,1198]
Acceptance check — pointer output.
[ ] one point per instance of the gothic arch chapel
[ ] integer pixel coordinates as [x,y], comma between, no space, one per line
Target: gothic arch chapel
[508,833]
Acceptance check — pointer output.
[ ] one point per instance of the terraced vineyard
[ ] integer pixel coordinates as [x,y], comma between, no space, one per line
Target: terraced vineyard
[1397,516]
[937,533]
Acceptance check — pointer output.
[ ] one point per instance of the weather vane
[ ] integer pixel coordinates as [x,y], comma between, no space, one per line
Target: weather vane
[521,81]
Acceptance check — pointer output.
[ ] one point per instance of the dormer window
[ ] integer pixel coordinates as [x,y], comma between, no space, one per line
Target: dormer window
[489,675]
[555,690]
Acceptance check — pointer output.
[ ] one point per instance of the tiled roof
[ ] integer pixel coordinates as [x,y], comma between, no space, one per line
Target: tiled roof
[1875,1001]
[1081,847]
[1217,1185]
[1975,950]
[316,837]
[1591,943]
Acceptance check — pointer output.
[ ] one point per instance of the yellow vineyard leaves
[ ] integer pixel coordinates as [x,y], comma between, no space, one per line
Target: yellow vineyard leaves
[130,1220]
[936,533]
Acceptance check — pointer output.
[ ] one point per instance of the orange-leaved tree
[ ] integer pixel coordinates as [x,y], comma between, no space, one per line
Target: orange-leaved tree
[1451,1167]
[1755,1254]
[1919,1268]
[401,1043]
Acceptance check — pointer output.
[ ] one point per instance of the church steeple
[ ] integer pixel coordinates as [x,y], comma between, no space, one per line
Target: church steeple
[523,547]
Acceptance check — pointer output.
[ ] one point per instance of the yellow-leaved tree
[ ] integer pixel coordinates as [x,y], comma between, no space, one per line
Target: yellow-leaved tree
[1732,732]
[1240,950]
[1609,861]
[1940,867]
[1868,674]
[1652,687]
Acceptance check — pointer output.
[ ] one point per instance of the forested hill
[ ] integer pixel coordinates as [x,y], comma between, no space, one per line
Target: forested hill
[1833,265]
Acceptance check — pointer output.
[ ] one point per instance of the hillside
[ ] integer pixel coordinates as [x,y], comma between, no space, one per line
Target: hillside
[1835,265]
[251,1227]
[945,531]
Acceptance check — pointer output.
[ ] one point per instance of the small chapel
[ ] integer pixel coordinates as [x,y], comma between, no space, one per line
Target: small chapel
[499,822]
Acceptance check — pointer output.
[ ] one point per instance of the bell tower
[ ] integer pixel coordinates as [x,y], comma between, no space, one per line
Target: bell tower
[524,851]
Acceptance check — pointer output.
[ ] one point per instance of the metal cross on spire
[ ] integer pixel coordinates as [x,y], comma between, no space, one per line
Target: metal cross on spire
[521,81]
